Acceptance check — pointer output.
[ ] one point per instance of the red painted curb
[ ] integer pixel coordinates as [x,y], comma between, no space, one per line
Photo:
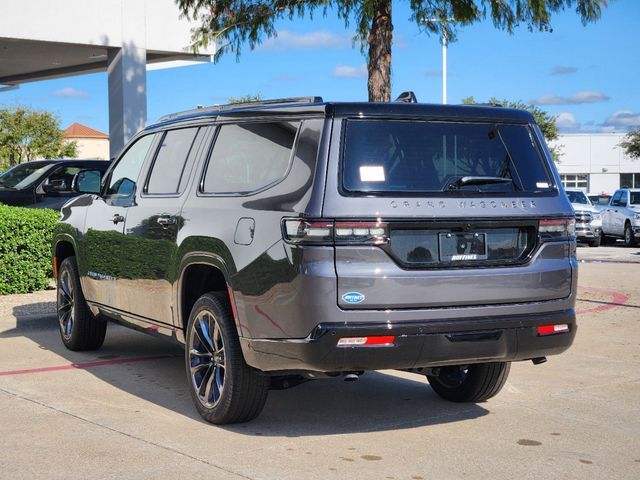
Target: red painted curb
[617,299]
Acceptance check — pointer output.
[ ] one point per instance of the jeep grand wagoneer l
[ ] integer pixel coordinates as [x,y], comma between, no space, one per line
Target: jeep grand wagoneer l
[287,240]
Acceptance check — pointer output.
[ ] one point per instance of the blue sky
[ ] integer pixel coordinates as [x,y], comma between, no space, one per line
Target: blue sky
[588,75]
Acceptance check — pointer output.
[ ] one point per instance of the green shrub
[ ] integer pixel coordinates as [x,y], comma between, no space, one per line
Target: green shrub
[25,248]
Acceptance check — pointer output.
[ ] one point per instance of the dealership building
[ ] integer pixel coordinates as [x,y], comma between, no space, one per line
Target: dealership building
[595,163]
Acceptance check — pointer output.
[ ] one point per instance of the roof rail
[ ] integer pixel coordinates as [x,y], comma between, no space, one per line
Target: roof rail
[231,106]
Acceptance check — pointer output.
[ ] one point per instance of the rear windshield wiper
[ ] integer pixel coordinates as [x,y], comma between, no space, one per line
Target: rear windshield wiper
[473,180]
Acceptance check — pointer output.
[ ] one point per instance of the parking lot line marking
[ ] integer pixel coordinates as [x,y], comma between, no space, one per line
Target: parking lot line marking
[84,365]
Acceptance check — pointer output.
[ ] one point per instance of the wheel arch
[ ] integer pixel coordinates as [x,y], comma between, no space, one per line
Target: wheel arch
[201,273]
[64,246]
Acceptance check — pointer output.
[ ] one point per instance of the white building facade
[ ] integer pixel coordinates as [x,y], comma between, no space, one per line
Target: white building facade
[43,39]
[595,163]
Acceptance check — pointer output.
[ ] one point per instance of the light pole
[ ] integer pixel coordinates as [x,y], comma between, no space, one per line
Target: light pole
[444,55]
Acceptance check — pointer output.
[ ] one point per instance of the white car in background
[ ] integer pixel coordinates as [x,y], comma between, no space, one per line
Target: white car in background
[588,218]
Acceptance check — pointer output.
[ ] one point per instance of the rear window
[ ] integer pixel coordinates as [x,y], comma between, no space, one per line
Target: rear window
[397,156]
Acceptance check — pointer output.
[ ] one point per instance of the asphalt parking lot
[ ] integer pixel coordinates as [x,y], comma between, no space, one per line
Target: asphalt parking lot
[125,412]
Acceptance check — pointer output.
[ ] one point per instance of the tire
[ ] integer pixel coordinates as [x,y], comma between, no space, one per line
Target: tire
[604,240]
[223,387]
[79,329]
[595,243]
[629,240]
[470,383]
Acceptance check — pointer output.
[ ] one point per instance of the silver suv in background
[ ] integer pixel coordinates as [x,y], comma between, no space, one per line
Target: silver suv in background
[588,218]
[621,218]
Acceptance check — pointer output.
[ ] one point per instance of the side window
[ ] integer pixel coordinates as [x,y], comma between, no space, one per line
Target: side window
[124,176]
[616,197]
[623,198]
[62,178]
[249,157]
[171,159]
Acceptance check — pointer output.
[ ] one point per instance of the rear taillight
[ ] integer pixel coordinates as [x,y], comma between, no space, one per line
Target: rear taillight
[308,231]
[329,232]
[556,228]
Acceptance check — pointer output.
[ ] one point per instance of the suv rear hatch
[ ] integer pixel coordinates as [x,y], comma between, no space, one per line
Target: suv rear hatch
[466,213]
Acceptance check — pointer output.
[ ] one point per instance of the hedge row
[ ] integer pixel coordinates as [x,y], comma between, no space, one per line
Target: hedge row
[25,248]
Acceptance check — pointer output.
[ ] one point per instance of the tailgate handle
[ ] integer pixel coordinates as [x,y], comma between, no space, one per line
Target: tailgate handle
[474,336]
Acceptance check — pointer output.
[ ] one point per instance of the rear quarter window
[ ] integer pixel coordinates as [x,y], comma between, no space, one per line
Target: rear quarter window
[249,157]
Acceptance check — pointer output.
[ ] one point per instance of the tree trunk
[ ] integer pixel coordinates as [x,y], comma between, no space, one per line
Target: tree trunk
[379,66]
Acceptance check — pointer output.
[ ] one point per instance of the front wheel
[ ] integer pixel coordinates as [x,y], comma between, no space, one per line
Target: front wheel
[629,239]
[470,383]
[223,387]
[595,242]
[79,329]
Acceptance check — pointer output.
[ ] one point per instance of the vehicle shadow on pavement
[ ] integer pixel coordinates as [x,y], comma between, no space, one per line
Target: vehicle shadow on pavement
[379,401]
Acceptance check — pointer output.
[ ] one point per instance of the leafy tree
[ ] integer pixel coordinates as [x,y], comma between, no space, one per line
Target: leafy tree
[26,134]
[545,120]
[231,23]
[246,98]
[631,144]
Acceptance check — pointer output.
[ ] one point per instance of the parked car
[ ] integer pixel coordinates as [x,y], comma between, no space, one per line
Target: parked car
[599,200]
[291,240]
[588,218]
[621,218]
[43,183]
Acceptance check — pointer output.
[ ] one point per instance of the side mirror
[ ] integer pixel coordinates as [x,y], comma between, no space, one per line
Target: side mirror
[87,181]
[55,186]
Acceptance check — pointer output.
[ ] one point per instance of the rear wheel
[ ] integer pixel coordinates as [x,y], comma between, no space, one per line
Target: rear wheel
[79,329]
[223,387]
[470,383]
[629,240]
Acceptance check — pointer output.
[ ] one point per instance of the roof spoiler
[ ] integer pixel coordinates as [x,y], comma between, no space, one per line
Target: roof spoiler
[407,97]
[221,108]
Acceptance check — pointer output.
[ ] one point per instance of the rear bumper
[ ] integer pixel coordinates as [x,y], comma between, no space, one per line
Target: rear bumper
[417,344]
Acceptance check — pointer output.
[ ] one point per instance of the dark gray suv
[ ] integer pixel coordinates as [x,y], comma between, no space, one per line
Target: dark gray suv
[297,239]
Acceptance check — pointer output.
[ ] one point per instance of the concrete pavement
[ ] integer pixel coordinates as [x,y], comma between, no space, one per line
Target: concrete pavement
[125,412]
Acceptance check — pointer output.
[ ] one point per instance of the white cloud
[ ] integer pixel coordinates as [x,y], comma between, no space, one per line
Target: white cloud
[567,121]
[622,120]
[575,99]
[563,70]
[346,71]
[70,92]
[287,40]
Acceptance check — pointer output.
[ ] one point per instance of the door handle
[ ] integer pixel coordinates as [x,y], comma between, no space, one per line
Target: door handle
[165,221]
[117,218]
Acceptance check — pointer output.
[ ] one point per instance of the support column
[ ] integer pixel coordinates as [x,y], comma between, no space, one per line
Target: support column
[127,94]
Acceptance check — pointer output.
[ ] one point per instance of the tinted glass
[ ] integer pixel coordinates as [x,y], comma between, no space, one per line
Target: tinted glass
[64,177]
[623,198]
[578,197]
[626,180]
[635,198]
[418,156]
[125,174]
[249,157]
[170,161]
[22,175]
[616,197]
